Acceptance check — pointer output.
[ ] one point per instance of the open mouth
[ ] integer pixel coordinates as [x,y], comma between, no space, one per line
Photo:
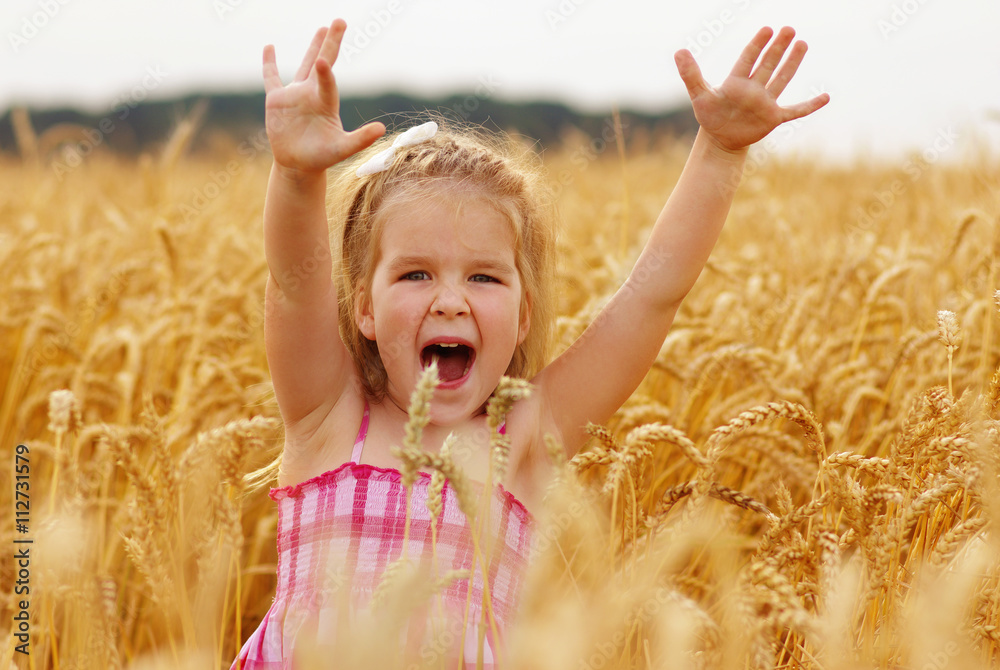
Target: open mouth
[454,360]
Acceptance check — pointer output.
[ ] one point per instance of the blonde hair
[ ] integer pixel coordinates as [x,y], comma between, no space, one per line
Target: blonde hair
[495,169]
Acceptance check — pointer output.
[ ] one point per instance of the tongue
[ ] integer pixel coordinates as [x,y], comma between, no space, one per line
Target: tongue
[451,366]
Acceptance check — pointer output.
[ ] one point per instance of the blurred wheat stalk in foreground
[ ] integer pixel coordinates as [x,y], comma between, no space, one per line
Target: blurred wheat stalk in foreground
[808,477]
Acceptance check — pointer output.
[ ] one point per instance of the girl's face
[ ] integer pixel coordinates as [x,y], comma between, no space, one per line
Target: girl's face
[445,285]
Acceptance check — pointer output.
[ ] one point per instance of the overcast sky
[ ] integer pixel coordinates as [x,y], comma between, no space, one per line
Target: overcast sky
[901,73]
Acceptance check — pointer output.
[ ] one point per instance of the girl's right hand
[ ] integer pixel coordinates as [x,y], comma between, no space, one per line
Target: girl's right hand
[303,119]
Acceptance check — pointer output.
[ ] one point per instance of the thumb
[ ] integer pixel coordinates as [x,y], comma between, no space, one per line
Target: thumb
[690,73]
[364,137]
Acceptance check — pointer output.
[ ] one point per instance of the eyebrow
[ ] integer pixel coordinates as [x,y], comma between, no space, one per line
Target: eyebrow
[400,262]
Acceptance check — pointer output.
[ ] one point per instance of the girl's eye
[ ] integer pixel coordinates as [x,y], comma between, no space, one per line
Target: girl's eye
[418,275]
[483,279]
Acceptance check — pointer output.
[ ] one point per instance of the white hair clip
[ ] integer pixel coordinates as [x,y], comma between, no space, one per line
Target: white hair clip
[414,135]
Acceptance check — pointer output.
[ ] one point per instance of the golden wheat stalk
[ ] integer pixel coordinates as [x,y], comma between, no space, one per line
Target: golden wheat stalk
[772,410]
[24,135]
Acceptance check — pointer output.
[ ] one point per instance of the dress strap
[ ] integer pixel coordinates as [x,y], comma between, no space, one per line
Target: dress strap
[359,441]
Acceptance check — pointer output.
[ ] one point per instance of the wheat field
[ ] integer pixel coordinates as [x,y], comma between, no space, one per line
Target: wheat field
[809,476]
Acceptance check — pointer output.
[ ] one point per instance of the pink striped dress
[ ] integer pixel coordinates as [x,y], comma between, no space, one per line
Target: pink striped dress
[345,526]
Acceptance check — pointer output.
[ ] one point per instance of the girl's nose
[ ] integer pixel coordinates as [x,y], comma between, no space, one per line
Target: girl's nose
[449,302]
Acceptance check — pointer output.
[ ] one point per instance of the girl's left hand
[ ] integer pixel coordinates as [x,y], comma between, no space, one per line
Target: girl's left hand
[745,108]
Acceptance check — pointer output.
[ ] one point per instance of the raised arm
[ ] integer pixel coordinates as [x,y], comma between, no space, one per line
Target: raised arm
[613,355]
[309,363]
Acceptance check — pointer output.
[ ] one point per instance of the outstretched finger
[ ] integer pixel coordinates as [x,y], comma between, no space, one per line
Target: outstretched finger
[690,73]
[751,52]
[327,84]
[271,78]
[805,108]
[331,45]
[773,56]
[307,61]
[788,69]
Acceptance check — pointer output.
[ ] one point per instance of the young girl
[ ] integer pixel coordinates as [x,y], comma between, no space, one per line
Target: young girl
[445,253]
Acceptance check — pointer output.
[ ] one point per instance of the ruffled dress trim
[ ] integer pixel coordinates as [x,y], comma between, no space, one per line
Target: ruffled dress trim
[376,473]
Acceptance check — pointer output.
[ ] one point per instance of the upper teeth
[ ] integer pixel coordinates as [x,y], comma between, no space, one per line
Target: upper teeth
[445,344]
